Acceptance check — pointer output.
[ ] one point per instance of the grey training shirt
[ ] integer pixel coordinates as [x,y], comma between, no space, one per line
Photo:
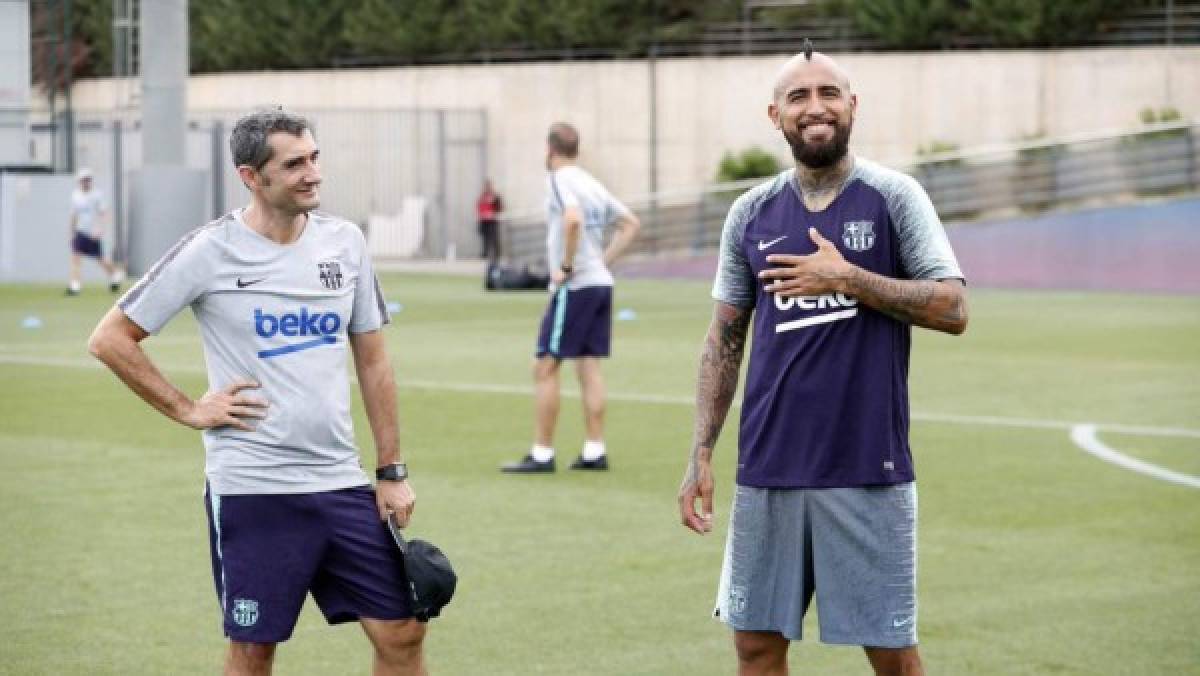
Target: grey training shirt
[571,186]
[278,315]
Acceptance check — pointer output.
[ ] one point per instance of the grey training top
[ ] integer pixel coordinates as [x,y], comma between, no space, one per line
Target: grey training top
[571,186]
[279,315]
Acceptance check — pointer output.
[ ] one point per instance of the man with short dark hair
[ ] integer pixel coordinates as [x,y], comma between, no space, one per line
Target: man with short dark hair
[577,323]
[280,291]
[833,262]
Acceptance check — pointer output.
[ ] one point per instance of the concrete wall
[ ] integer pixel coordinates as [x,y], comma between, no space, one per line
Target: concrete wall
[709,105]
[14,82]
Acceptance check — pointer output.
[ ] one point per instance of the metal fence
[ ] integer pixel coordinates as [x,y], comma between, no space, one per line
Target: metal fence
[1170,23]
[1173,23]
[1001,181]
[371,160]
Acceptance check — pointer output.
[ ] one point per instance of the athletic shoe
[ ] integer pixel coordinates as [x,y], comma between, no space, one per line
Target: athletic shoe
[71,292]
[528,465]
[114,286]
[600,463]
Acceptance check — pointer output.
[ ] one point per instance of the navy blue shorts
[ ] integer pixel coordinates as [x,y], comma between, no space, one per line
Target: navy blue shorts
[86,246]
[577,323]
[270,551]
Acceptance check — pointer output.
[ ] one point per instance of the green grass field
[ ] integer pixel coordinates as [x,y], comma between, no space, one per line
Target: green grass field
[1035,558]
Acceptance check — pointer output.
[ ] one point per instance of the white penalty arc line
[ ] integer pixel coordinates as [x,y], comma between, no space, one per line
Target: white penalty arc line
[1084,436]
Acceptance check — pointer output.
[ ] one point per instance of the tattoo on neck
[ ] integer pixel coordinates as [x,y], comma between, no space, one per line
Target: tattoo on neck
[822,183]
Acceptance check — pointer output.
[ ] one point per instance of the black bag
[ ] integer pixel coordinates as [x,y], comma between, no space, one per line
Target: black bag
[503,277]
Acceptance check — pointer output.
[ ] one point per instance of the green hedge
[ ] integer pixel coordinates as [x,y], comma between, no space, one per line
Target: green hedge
[230,35]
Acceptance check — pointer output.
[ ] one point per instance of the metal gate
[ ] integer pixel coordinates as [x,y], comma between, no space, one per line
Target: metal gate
[372,160]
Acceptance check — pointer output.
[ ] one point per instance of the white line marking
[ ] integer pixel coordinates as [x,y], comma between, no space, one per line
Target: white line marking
[1085,437]
[1030,423]
[813,321]
[527,390]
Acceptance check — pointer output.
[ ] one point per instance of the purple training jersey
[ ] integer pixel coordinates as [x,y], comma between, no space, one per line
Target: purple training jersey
[826,396]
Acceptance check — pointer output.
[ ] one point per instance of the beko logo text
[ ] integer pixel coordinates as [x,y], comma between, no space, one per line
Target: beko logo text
[845,307]
[322,327]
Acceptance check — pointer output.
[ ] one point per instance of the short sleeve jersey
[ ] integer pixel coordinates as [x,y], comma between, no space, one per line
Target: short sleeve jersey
[826,394]
[571,186]
[86,207]
[279,315]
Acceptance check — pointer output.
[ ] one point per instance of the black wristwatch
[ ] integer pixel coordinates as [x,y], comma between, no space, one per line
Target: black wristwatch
[396,471]
[567,269]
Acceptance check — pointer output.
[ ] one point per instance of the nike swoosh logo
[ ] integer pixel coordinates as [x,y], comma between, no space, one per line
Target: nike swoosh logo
[763,246]
[242,285]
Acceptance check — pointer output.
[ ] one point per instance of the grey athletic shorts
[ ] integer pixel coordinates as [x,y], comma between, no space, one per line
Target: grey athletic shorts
[855,548]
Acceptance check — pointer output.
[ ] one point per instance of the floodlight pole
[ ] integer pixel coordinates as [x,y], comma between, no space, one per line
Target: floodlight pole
[652,62]
[68,65]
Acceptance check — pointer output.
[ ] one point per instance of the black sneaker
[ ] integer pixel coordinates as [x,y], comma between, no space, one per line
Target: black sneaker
[600,463]
[528,465]
[114,286]
[71,292]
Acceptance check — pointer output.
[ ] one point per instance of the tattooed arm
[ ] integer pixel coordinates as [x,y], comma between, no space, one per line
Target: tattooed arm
[931,304]
[716,384]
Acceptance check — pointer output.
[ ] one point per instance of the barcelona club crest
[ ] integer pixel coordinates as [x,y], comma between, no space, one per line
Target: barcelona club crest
[858,235]
[245,612]
[330,273]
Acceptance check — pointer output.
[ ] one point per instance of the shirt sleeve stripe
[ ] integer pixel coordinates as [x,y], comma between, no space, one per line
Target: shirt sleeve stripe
[135,293]
[384,317]
[554,189]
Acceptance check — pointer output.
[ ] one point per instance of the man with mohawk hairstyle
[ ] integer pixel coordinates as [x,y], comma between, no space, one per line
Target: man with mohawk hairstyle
[833,262]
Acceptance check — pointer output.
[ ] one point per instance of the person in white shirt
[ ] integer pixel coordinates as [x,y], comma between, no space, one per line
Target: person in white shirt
[283,295]
[577,324]
[87,233]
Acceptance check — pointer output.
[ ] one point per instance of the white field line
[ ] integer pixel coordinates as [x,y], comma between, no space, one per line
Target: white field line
[1082,434]
[1085,437]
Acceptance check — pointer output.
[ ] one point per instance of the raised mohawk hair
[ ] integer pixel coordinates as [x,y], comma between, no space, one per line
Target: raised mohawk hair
[807,47]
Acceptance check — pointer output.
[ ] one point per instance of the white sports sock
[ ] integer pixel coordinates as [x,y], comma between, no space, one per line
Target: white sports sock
[74,285]
[542,453]
[593,450]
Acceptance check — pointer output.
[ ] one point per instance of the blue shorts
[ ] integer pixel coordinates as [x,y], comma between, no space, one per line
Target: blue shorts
[577,323]
[270,551]
[86,246]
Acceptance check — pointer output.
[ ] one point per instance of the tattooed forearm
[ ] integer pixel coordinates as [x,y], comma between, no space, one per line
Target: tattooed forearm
[717,380]
[940,306]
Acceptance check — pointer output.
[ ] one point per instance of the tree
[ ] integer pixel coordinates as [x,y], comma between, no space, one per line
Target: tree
[1021,23]
[906,24]
[750,163]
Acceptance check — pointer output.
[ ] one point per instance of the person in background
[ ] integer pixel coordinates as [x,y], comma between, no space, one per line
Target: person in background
[488,208]
[577,324]
[88,214]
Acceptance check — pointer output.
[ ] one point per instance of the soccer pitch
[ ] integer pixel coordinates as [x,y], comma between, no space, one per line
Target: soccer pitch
[1035,557]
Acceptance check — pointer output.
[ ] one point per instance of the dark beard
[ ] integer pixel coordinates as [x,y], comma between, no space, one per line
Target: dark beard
[819,155]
